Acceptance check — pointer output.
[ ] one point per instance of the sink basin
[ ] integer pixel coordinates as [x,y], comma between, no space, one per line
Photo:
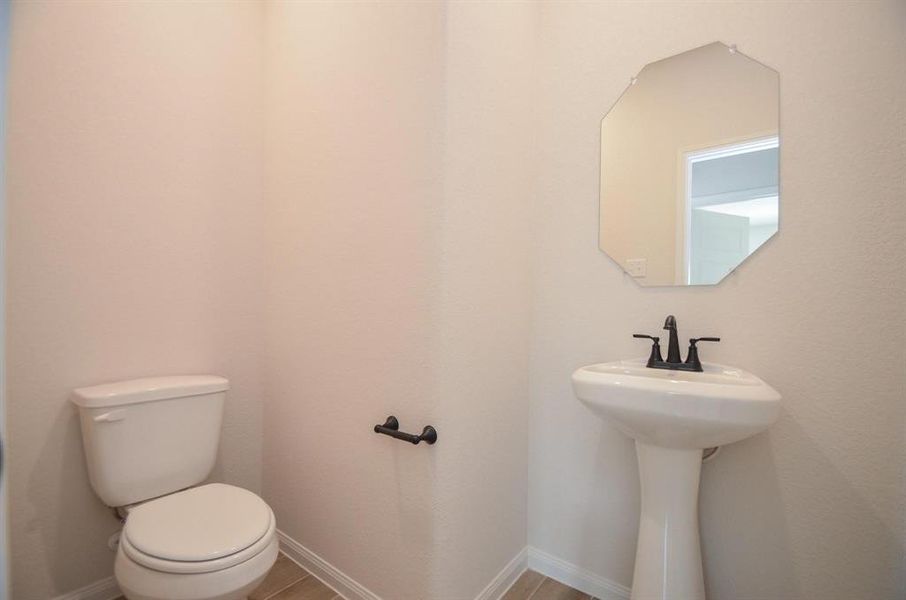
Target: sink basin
[672,416]
[678,409]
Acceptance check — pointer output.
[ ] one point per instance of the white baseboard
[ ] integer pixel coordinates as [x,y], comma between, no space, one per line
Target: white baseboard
[531,558]
[506,578]
[105,589]
[575,576]
[333,577]
[350,589]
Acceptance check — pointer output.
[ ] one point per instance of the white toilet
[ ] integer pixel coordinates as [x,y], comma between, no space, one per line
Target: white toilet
[147,442]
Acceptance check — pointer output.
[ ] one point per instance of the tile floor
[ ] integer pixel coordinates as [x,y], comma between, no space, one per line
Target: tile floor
[534,586]
[289,581]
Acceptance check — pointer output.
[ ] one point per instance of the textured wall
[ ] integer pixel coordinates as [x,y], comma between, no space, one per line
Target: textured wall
[814,507]
[4,488]
[406,144]
[133,246]
[354,130]
[398,283]
[485,295]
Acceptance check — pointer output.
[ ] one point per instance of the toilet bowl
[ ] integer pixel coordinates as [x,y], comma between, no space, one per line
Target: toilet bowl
[214,542]
[148,444]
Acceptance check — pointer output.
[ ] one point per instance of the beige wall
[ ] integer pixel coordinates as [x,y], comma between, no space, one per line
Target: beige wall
[395,277]
[354,130]
[485,301]
[814,507]
[133,246]
[431,174]
[698,99]
[398,284]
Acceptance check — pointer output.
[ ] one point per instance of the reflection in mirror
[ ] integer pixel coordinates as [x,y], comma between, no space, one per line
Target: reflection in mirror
[690,167]
[732,206]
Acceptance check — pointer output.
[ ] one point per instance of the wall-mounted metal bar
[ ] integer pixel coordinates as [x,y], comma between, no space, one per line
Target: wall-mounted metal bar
[391,427]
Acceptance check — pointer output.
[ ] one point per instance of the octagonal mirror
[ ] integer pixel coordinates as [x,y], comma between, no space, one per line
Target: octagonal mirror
[690,161]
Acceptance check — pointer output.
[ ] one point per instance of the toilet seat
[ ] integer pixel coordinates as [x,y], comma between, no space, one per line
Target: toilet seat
[199,530]
[138,582]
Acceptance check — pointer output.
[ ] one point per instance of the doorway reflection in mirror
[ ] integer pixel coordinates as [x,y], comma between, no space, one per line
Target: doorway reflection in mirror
[732,206]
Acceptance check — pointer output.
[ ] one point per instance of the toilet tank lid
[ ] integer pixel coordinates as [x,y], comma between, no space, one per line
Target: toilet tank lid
[148,389]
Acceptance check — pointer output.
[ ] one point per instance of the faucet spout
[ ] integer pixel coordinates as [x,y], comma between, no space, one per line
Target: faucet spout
[673,362]
[673,351]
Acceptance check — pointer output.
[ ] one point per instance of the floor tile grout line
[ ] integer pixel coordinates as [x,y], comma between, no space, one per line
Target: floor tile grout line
[535,591]
[309,574]
[289,585]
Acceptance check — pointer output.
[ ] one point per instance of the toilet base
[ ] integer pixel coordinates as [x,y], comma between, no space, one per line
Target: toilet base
[233,583]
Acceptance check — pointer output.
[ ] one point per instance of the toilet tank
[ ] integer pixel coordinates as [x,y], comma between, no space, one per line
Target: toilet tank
[144,438]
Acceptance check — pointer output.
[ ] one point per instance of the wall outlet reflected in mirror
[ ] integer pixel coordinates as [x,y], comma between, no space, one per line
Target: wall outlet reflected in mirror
[637,267]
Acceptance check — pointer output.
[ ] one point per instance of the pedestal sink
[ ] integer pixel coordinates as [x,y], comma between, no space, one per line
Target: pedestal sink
[673,416]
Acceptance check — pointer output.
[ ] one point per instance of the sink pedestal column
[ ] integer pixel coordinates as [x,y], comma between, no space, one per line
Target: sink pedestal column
[668,560]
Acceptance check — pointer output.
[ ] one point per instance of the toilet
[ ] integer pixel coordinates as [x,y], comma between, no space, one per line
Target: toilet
[149,443]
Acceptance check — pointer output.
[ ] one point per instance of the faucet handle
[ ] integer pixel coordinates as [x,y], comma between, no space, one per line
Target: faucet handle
[655,356]
[646,337]
[692,357]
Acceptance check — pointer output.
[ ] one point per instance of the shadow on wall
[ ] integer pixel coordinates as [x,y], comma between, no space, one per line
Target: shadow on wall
[753,532]
[625,500]
[414,515]
[762,522]
[758,521]
[66,531]
[837,516]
